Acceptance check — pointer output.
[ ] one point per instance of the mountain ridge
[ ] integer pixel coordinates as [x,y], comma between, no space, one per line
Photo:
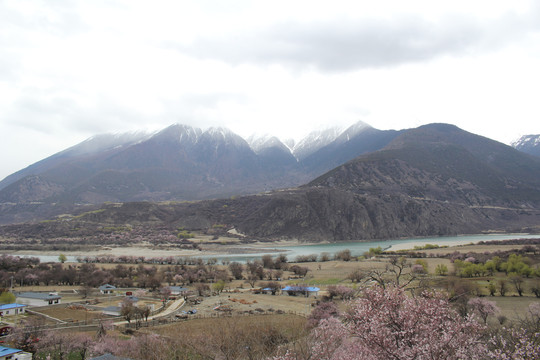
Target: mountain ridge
[434,180]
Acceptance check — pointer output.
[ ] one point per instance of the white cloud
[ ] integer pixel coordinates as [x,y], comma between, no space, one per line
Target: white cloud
[71,69]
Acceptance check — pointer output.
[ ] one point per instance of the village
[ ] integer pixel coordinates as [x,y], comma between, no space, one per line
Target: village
[162,298]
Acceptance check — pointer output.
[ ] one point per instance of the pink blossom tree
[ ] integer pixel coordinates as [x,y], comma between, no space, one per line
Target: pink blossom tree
[387,324]
[482,308]
[512,344]
[323,311]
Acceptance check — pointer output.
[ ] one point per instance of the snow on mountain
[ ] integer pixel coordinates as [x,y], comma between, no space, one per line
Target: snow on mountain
[352,131]
[105,142]
[180,133]
[261,142]
[315,140]
[529,144]
[289,143]
[526,140]
[224,136]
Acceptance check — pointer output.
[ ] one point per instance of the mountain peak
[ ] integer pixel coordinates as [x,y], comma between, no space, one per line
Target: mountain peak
[221,135]
[261,142]
[352,131]
[180,133]
[316,140]
[529,144]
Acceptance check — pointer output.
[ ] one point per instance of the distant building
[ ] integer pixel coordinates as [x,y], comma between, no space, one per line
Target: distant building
[300,290]
[107,289]
[38,299]
[14,354]
[178,290]
[12,309]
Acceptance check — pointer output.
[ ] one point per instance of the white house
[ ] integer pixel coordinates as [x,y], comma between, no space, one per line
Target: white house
[38,299]
[178,290]
[12,309]
[14,354]
[107,289]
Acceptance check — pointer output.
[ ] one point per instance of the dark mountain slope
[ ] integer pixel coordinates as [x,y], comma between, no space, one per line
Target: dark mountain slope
[95,145]
[344,149]
[309,214]
[444,163]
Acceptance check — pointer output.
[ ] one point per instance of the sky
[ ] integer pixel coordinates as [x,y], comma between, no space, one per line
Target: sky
[71,69]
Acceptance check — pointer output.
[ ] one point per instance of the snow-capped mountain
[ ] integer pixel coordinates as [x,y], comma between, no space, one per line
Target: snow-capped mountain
[529,144]
[182,162]
[97,144]
[260,142]
[352,131]
[315,140]
[179,133]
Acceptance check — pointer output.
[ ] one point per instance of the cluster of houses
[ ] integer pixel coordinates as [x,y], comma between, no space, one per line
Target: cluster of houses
[25,299]
[22,302]
[37,299]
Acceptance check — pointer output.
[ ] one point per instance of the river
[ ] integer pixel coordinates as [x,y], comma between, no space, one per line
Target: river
[356,247]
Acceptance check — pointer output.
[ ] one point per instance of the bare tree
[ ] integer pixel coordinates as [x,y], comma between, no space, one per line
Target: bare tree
[397,272]
[518,282]
[127,309]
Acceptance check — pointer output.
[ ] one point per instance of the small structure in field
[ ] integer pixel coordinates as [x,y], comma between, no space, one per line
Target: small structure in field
[107,289]
[12,309]
[14,354]
[38,298]
[296,290]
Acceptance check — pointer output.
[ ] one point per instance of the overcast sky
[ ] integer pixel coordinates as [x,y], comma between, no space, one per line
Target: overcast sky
[71,69]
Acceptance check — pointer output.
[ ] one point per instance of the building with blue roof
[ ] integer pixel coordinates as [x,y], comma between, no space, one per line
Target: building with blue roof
[14,354]
[12,309]
[295,290]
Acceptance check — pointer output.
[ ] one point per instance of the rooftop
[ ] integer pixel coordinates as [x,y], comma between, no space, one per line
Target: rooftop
[38,295]
[300,288]
[5,351]
[11,306]
[107,287]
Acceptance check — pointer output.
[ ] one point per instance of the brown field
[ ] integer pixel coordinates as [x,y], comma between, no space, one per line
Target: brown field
[65,313]
[234,337]
[201,326]
[247,302]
